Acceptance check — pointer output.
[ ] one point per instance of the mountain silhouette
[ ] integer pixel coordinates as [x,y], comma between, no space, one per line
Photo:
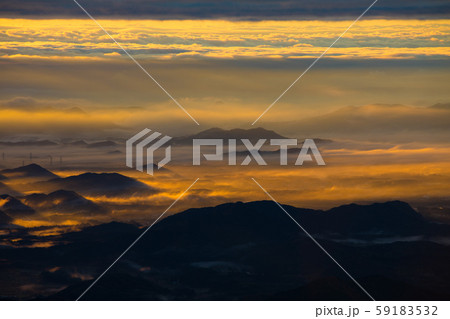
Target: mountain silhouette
[394,217]
[14,207]
[28,171]
[380,219]
[337,289]
[100,184]
[253,251]
[62,201]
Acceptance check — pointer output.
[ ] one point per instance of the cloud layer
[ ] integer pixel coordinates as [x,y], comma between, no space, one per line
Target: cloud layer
[83,40]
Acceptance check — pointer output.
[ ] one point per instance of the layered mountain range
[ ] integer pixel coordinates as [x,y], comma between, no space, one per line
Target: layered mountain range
[61,195]
[247,251]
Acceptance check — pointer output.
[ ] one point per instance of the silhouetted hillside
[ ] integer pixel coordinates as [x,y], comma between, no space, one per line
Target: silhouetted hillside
[246,251]
[62,201]
[28,171]
[14,207]
[100,184]
[254,251]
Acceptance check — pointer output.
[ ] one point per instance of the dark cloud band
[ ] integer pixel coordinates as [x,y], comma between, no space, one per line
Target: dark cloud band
[233,9]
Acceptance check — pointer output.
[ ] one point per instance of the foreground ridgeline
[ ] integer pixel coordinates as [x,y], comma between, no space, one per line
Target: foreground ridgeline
[244,251]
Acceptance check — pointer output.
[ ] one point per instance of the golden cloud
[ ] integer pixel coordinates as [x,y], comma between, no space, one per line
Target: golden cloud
[82,39]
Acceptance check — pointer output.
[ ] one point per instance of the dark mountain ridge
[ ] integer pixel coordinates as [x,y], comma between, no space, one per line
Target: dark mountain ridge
[100,184]
[28,171]
[14,207]
[253,251]
[380,219]
[63,201]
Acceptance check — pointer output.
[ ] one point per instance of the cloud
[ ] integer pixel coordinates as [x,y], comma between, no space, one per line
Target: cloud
[117,96]
[20,102]
[234,9]
[219,39]
[378,122]
[27,103]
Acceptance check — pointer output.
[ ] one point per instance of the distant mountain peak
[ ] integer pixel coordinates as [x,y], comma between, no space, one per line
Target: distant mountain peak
[100,184]
[64,201]
[14,207]
[390,218]
[31,170]
[62,193]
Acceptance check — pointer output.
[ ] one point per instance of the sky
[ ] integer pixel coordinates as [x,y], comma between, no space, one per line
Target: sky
[50,66]
[381,93]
